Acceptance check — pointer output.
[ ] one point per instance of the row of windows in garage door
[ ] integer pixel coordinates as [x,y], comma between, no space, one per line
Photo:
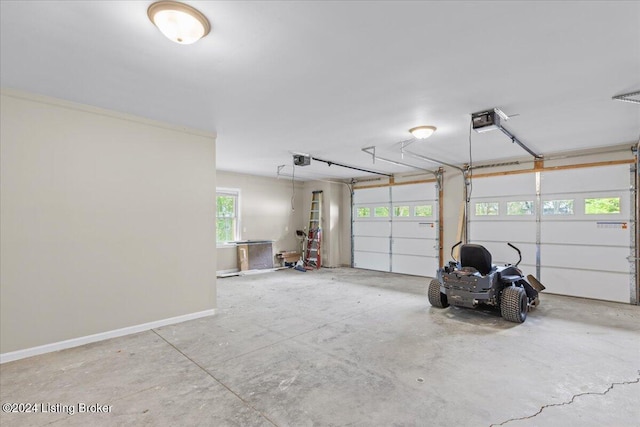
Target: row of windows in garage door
[592,206]
[398,211]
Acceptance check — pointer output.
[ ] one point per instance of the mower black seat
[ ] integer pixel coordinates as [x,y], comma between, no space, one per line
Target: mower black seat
[476,256]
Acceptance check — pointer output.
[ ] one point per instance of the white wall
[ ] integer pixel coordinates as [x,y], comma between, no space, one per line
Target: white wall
[107,221]
[265,213]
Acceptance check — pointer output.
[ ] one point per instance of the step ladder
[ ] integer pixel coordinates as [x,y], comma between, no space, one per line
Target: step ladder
[313,258]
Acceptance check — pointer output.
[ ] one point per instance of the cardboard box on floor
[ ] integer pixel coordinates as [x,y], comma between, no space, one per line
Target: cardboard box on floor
[288,256]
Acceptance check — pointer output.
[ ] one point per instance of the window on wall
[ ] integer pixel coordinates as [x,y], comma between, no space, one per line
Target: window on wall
[557,207]
[520,208]
[424,210]
[227,216]
[487,208]
[381,211]
[605,205]
[401,211]
[364,212]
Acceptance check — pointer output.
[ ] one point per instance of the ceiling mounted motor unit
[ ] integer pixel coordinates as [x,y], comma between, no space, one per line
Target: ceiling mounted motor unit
[489,120]
[301,160]
[485,121]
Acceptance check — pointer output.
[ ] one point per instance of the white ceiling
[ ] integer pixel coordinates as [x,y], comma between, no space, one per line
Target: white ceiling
[329,78]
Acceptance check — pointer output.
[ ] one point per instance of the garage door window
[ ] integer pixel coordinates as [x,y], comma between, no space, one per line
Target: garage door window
[520,208]
[606,205]
[557,207]
[401,211]
[364,212]
[423,210]
[381,211]
[487,208]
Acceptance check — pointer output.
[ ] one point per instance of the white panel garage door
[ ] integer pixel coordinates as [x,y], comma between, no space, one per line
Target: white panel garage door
[502,210]
[396,229]
[583,236]
[414,229]
[586,232]
[372,228]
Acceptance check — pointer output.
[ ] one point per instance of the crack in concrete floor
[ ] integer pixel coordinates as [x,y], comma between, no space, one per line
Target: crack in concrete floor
[573,398]
[206,371]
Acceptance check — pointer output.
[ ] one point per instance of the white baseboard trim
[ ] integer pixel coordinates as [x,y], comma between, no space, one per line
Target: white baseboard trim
[75,342]
[228,272]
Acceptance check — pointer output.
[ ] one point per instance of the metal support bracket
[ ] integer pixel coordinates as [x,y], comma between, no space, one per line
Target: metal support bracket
[372,151]
[403,151]
[627,97]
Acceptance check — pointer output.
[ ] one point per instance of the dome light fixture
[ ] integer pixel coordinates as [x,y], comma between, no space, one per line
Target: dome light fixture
[179,22]
[422,132]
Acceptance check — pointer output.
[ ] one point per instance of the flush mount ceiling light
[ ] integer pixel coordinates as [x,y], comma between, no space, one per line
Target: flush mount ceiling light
[422,132]
[179,22]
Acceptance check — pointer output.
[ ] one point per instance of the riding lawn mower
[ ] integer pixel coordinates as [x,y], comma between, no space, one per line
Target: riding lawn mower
[473,280]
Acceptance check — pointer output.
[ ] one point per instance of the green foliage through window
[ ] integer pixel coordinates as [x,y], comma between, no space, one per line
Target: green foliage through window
[424,210]
[401,211]
[487,208]
[381,211]
[520,208]
[226,217]
[364,212]
[606,205]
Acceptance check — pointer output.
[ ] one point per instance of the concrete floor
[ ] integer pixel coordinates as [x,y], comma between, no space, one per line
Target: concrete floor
[347,347]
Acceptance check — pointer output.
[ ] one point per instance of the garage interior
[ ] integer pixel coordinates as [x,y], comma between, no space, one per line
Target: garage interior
[156,197]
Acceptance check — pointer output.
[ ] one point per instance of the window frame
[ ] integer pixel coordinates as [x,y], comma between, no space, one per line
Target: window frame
[359,208]
[491,204]
[401,208]
[520,212]
[375,212]
[618,198]
[559,214]
[233,192]
[416,207]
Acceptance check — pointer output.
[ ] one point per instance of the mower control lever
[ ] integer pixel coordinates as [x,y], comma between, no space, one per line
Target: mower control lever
[453,247]
[519,254]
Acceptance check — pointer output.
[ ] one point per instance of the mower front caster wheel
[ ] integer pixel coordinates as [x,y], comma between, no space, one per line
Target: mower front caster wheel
[514,304]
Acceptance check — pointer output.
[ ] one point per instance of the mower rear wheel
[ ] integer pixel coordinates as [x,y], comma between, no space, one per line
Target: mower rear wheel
[513,304]
[437,298]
